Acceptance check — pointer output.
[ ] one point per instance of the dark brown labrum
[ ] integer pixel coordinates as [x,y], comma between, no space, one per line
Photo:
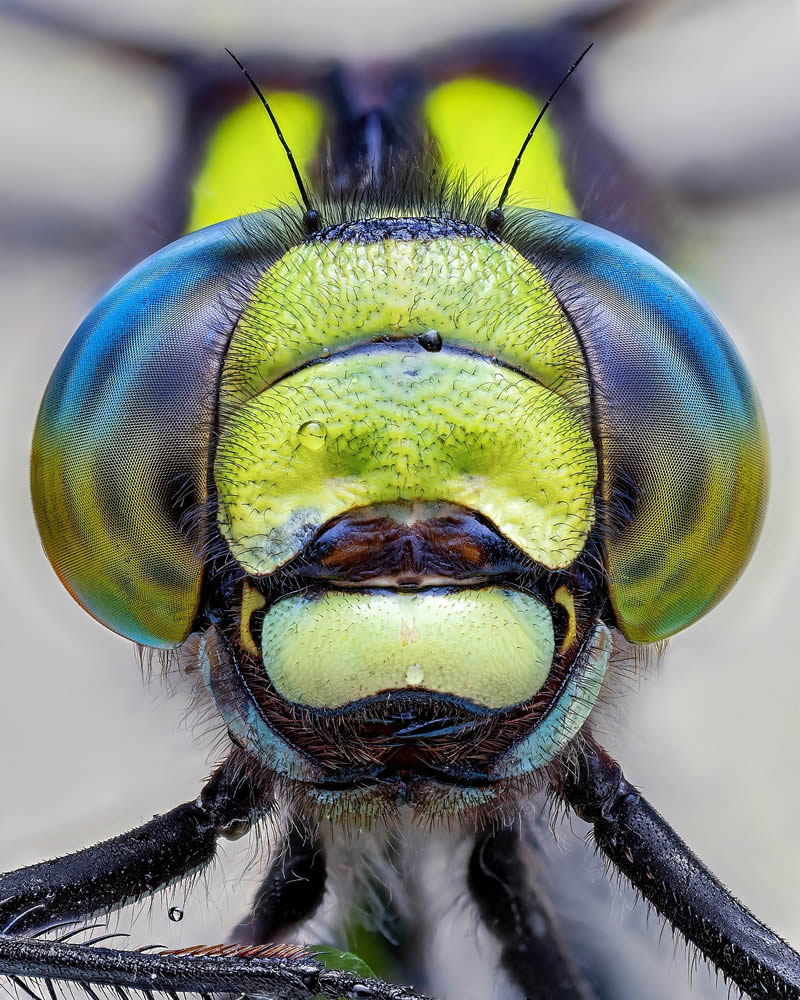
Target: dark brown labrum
[409,543]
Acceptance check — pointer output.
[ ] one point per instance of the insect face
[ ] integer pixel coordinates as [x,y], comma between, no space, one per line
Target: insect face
[420,494]
[391,474]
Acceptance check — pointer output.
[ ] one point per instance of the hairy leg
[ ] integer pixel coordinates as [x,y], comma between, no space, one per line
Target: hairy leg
[519,915]
[642,845]
[137,864]
[292,889]
[129,866]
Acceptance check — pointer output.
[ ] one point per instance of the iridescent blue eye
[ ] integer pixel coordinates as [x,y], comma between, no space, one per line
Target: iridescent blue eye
[677,423]
[121,451]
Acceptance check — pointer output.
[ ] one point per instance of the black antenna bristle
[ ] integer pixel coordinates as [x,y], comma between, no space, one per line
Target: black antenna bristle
[311,216]
[495,218]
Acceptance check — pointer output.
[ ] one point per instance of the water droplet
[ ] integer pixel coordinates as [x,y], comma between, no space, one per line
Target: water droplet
[415,675]
[431,340]
[325,353]
[175,913]
[312,435]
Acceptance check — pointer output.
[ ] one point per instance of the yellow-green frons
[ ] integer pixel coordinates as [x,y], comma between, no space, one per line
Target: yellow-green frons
[398,423]
[493,646]
[321,298]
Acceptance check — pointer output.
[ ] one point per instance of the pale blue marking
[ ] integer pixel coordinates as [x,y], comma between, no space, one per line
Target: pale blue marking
[566,716]
[246,724]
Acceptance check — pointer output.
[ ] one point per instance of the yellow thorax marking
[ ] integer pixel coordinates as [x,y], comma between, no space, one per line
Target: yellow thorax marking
[245,168]
[479,126]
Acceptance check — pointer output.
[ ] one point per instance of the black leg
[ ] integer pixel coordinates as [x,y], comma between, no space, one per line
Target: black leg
[132,865]
[521,919]
[647,851]
[251,972]
[139,863]
[292,890]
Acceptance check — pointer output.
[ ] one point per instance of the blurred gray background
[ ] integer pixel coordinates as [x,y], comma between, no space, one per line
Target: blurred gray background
[704,97]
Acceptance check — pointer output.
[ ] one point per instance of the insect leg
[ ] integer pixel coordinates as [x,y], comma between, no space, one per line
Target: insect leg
[520,917]
[291,891]
[643,846]
[131,865]
[279,975]
[138,863]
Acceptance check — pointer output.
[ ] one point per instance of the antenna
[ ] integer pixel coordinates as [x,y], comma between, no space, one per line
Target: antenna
[311,217]
[495,218]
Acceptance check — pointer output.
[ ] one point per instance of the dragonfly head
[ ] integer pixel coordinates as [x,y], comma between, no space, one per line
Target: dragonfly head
[405,470]
[399,482]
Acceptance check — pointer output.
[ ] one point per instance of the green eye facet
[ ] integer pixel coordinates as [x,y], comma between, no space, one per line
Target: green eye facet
[677,423]
[119,472]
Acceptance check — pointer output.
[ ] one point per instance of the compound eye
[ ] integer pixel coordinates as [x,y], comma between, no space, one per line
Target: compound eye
[677,424]
[119,470]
